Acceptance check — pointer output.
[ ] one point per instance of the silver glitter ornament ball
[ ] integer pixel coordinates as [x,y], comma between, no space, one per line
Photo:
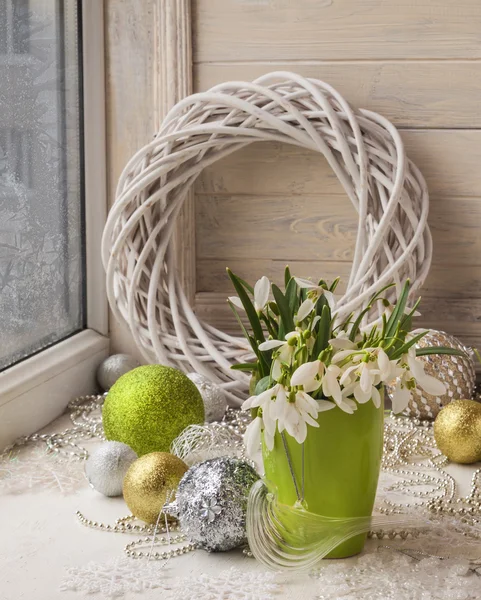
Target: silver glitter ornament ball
[456,372]
[106,467]
[211,503]
[114,367]
[215,401]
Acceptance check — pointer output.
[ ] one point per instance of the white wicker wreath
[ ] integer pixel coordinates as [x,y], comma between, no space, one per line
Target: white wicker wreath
[364,150]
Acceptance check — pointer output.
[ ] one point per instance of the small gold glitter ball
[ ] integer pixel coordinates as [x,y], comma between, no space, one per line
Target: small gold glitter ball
[456,372]
[149,483]
[457,431]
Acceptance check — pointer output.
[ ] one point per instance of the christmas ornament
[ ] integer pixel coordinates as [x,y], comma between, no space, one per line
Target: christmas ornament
[150,482]
[456,372]
[150,406]
[114,367]
[211,503]
[457,431]
[106,467]
[215,402]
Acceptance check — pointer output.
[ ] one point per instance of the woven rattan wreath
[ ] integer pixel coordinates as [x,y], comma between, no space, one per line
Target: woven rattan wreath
[364,150]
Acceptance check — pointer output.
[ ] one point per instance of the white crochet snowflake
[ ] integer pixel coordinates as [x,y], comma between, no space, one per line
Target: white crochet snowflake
[393,576]
[114,578]
[231,584]
[37,471]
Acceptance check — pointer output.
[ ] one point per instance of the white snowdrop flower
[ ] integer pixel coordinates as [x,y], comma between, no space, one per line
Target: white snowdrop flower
[284,351]
[308,376]
[314,293]
[262,290]
[330,384]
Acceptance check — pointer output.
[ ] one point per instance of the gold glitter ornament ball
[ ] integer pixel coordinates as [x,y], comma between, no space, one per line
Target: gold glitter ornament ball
[149,407]
[456,372]
[457,431]
[149,483]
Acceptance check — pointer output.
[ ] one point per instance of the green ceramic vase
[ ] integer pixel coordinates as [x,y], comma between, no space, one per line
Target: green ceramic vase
[342,460]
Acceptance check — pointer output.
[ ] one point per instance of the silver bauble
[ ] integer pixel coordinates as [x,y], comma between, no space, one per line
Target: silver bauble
[211,503]
[106,467]
[114,367]
[215,401]
[456,372]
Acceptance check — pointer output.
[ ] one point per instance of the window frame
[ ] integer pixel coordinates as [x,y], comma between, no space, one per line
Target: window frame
[37,390]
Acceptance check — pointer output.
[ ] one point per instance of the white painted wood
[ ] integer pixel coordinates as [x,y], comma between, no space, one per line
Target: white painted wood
[253,30]
[173,83]
[448,159]
[426,94]
[131,111]
[320,227]
[95,160]
[37,390]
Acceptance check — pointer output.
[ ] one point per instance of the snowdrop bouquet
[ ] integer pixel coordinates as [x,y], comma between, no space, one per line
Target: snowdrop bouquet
[306,362]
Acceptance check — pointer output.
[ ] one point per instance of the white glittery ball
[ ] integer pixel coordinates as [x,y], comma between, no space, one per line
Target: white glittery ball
[106,467]
[215,402]
[114,367]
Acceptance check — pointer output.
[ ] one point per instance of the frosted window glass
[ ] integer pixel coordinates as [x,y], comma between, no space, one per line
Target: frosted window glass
[41,226]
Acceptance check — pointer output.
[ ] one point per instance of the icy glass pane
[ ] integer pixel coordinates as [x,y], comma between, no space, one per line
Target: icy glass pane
[41,230]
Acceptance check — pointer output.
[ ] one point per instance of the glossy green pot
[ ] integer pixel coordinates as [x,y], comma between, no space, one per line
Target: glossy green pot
[342,460]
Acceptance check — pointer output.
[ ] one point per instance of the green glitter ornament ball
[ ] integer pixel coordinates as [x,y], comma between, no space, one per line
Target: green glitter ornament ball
[147,408]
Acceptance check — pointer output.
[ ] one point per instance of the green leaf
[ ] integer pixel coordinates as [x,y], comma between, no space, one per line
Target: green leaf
[287,276]
[285,312]
[334,284]
[357,323]
[247,286]
[406,321]
[263,385]
[439,350]
[405,347]
[292,296]
[244,367]
[323,332]
[398,311]
[249,307]
[241,324]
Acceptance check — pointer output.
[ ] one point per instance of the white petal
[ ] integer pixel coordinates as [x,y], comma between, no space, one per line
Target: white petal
[330,386]
[305,309]
[376,397]
[330,299]
[342,343]
[252,437]
[366,379]
[269,439]
[346,375]
[278,408]
[261,292]
[431,385]
[276,371]
[271,344]
[310,421]
[361,396]
[286,353]
[305,283]
[305,375]
[384,364]
[400,398]
[346,407]
[342,354]
[236,302]
[324,405]
[306,404]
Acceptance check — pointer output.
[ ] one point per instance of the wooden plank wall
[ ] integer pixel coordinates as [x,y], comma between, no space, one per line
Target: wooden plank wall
[417,63]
